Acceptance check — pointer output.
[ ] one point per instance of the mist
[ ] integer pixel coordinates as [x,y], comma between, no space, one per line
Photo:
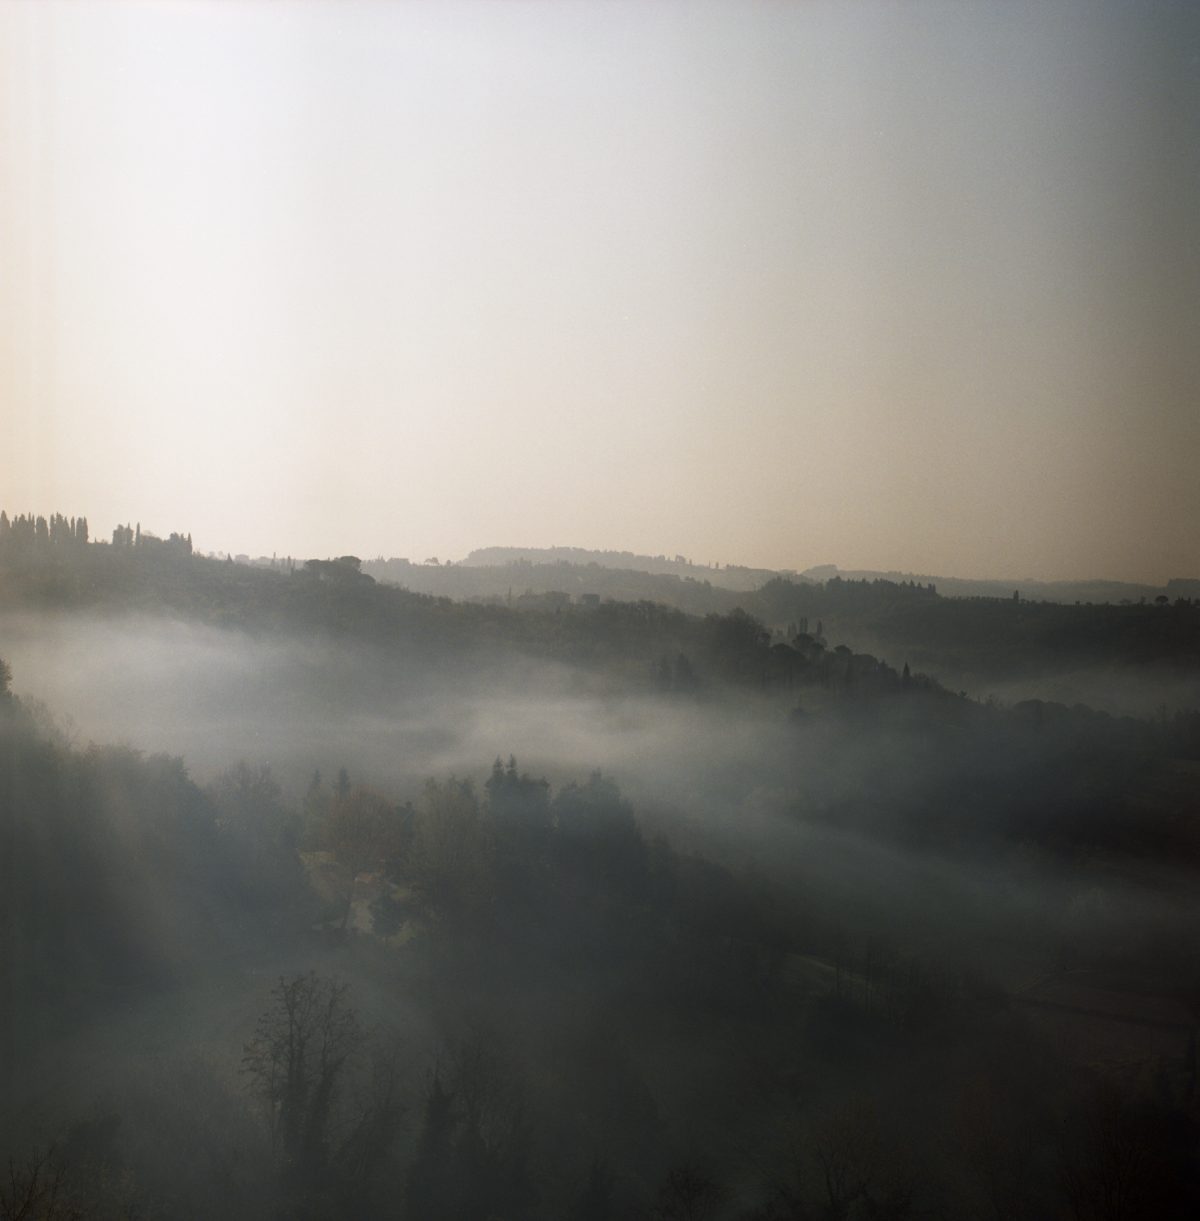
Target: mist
[788,809]
[391,717]
[623,810]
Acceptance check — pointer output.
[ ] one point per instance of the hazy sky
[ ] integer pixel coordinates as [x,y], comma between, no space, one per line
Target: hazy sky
[896,285]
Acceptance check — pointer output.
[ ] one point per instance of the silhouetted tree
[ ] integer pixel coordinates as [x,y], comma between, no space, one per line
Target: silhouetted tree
[518,804]
[297,1060]
[434,1189]
[36,1189]
[472,1160]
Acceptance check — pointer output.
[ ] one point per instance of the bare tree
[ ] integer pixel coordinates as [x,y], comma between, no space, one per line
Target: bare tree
[1119,1159]
[689,1193]
[296,1063]
[35,1190]
[863,1173]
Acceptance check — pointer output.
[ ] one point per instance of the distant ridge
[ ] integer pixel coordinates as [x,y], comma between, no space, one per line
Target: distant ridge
[1097,590]
[744,579]
[727,576]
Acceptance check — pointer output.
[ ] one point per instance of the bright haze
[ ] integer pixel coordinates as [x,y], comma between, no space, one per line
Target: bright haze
[907,286]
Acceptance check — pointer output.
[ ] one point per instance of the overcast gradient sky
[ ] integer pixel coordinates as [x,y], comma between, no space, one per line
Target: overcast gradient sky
[896,285]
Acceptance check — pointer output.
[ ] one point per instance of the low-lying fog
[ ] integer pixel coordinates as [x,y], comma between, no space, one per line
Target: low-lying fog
[954,837]
[1136,690]
[214,696]
[1147,691]
[737,780]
